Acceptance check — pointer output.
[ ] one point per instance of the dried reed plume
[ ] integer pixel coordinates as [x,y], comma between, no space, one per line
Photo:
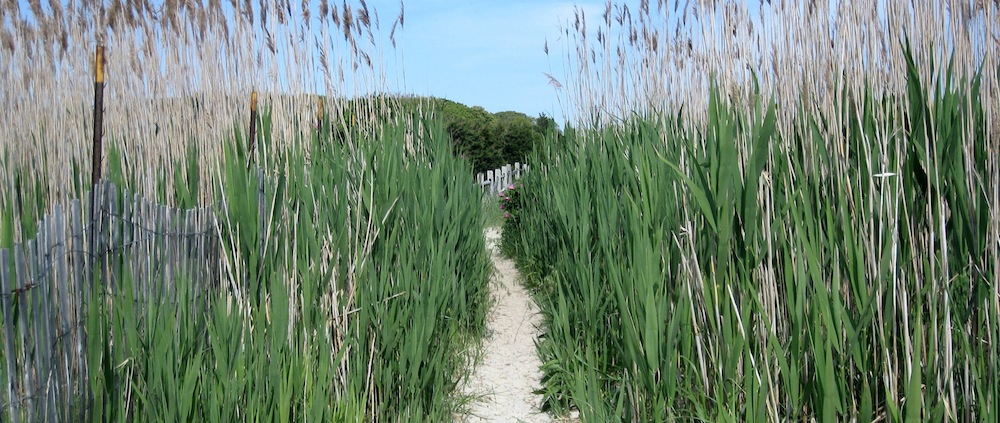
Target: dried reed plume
[650,58]
[178,73]
[179,76]
[838,62]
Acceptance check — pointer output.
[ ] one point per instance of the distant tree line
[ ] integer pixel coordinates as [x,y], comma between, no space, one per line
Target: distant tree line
[490,140]
[487,140]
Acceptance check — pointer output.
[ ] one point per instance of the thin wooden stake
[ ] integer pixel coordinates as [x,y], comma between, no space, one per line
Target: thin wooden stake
[319,115]
[253,127]
[98,115]
[97,154]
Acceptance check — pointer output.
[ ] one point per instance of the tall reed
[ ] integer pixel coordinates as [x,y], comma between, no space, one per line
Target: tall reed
[178,74]
[782,215]
[354,267]
[352,298]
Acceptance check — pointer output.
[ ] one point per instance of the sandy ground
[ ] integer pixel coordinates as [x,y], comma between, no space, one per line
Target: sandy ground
[504,378]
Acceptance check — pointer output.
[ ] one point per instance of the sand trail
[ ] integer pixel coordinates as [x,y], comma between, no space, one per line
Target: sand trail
[507,374]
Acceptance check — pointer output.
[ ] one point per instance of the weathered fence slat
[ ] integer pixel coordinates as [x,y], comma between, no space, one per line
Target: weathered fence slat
[162,253]
[144,247]
[23,324]
[187,226]
[63,329]
[127,240]
[496,181]
[108,218]
[79,288]
[43,273]
[46,283]
[7,285]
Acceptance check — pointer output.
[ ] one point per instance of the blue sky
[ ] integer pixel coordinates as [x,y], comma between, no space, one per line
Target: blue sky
[485,53]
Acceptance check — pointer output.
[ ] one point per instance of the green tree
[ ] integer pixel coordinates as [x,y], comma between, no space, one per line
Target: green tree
[517,134]
[472,134]
[546,124]
[487,140]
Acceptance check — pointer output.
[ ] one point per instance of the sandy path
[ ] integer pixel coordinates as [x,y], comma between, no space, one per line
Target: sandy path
[507,374]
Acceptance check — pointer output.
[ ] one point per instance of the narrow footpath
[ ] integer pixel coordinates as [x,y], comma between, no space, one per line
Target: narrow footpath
[504,379]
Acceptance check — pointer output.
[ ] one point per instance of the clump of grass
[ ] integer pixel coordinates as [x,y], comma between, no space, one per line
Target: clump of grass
[800,241]
[492,212]
[351,297]
[346,297]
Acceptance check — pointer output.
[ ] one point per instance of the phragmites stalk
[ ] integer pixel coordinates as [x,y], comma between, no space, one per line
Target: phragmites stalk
[855,144]
[178,75]
[347,22]
[803,53]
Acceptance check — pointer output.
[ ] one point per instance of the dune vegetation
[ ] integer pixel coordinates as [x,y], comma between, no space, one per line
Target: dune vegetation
[351,295]
[784,211]
[759,211]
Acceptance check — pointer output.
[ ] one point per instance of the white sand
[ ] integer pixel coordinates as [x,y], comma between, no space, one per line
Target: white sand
[506,376]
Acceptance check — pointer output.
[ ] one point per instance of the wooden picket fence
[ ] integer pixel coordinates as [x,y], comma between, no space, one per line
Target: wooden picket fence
[495,181]
[45,283]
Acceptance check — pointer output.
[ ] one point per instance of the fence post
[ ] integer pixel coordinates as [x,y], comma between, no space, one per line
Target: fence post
[98,115]
[253,127]
[96,155]
[319,114]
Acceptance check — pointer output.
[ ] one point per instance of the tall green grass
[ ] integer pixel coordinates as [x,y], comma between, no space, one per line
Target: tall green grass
[739,273]
[351,299]
[492,213]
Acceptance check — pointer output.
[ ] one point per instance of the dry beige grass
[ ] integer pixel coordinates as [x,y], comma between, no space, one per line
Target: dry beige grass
[656,56]
[177,73]
[815,58]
